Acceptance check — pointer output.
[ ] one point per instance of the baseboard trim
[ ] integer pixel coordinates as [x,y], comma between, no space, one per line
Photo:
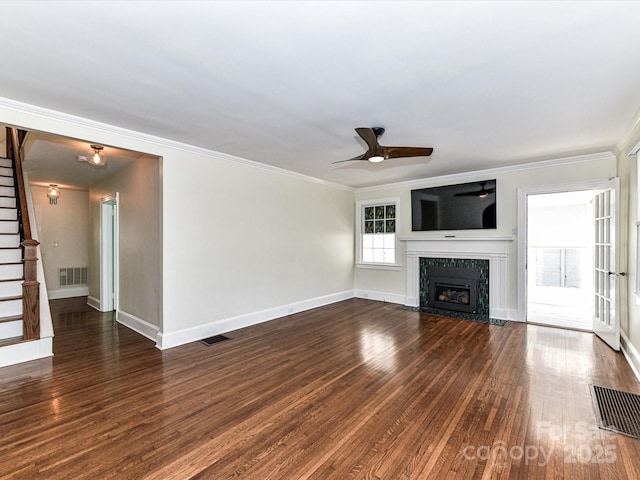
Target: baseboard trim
[68,292]
[26,351]
[93,302]
[380,296]
[138,325]
[631,354]
[193,334]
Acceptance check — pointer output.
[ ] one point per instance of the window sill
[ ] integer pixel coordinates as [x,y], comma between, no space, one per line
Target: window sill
[380,266]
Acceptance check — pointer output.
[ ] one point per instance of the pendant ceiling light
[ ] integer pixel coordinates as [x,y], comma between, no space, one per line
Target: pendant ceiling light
[96,156]
[53,193]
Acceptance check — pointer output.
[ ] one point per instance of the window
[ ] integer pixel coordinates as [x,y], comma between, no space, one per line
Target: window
[560,267]
[377,233]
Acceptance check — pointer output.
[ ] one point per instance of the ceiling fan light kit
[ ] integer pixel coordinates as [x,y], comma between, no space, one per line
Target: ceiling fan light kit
[377,153]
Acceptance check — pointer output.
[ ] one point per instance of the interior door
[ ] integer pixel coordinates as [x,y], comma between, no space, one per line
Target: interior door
[606,319]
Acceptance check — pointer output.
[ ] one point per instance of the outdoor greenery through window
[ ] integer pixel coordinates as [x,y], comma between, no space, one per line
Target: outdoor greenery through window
[379,234]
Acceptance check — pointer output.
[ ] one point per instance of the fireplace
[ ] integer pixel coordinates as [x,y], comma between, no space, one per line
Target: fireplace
[453,288]
[457,287]
[422,252]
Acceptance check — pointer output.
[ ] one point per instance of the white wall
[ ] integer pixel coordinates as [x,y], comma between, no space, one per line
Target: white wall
[628,173]
[392,284]
[240,240]
[140,246]
[63,231]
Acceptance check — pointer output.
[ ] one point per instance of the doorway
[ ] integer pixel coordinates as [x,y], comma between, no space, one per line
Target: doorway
[604,260]
[560,242]
[109,253]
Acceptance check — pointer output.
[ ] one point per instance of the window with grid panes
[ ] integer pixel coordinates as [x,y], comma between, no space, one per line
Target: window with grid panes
[379,233]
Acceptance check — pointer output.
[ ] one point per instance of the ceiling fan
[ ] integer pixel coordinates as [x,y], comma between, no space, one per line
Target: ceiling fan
[377,153]
[482,193]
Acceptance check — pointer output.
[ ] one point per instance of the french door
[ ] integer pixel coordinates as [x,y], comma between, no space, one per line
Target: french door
[606,319]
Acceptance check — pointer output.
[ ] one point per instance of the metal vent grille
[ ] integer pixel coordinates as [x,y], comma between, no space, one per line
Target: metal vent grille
[72,276]
[617,411]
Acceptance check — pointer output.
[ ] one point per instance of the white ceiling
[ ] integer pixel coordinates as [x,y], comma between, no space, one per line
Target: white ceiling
[54,159]
[486,84]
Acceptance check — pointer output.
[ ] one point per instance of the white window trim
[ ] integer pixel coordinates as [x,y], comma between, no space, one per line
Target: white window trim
[359,209]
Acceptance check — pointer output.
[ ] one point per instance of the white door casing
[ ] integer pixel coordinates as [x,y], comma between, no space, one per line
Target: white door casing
[109,240]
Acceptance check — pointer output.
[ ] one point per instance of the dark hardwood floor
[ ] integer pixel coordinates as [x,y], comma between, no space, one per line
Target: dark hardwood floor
[357,389]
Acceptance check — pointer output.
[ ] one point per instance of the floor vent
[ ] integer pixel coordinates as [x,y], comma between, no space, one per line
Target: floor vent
[215,339]
[72,276]
[617,411]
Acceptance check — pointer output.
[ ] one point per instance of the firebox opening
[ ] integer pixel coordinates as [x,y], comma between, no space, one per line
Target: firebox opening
[453,293]
[454,289]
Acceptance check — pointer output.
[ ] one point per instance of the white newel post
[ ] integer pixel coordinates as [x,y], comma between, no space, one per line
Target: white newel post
[494,249]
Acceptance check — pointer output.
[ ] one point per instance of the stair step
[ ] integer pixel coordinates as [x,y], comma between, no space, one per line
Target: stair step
[11,306]
[11,341]
[9,240]
[12,328]
[8,226]
[10,299]
[6,181]
[7,213]
[7,202]
[6,171]
[10,255]
[6,162]
[7,191]
[11,270]
[11,288]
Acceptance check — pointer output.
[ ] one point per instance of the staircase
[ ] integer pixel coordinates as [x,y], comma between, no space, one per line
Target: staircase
[25,334]
[11,267]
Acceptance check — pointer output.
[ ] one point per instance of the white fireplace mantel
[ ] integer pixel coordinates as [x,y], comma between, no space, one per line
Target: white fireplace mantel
[494,249]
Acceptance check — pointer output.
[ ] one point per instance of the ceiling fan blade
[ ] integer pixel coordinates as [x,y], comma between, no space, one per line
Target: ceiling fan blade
[401,152]
[369,136]
[364,156]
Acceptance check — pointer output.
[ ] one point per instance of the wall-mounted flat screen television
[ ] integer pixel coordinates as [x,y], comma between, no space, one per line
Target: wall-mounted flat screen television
[466,206]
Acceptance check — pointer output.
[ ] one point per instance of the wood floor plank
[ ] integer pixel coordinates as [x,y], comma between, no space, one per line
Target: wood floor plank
[354,390]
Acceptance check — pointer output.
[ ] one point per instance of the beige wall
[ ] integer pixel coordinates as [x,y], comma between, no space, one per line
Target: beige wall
[63,231]
[140,246]
[393,283]
[241,239]
[628,173]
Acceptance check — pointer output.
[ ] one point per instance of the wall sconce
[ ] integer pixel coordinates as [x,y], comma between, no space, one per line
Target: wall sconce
[53,193]
[96,157]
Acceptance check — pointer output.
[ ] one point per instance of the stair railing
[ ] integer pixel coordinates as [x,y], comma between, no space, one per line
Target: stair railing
[30,286]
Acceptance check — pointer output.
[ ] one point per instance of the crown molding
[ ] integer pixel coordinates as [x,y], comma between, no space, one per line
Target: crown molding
[630,141]
[104,128]
[493,171]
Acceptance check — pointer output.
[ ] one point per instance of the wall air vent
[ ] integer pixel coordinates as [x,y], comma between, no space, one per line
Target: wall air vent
[70,276]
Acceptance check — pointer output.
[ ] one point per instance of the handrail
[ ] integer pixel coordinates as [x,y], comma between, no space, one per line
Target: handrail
[30,286]
[22,195]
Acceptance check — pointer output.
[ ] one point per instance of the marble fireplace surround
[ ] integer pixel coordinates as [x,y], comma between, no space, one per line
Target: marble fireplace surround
[494,249]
